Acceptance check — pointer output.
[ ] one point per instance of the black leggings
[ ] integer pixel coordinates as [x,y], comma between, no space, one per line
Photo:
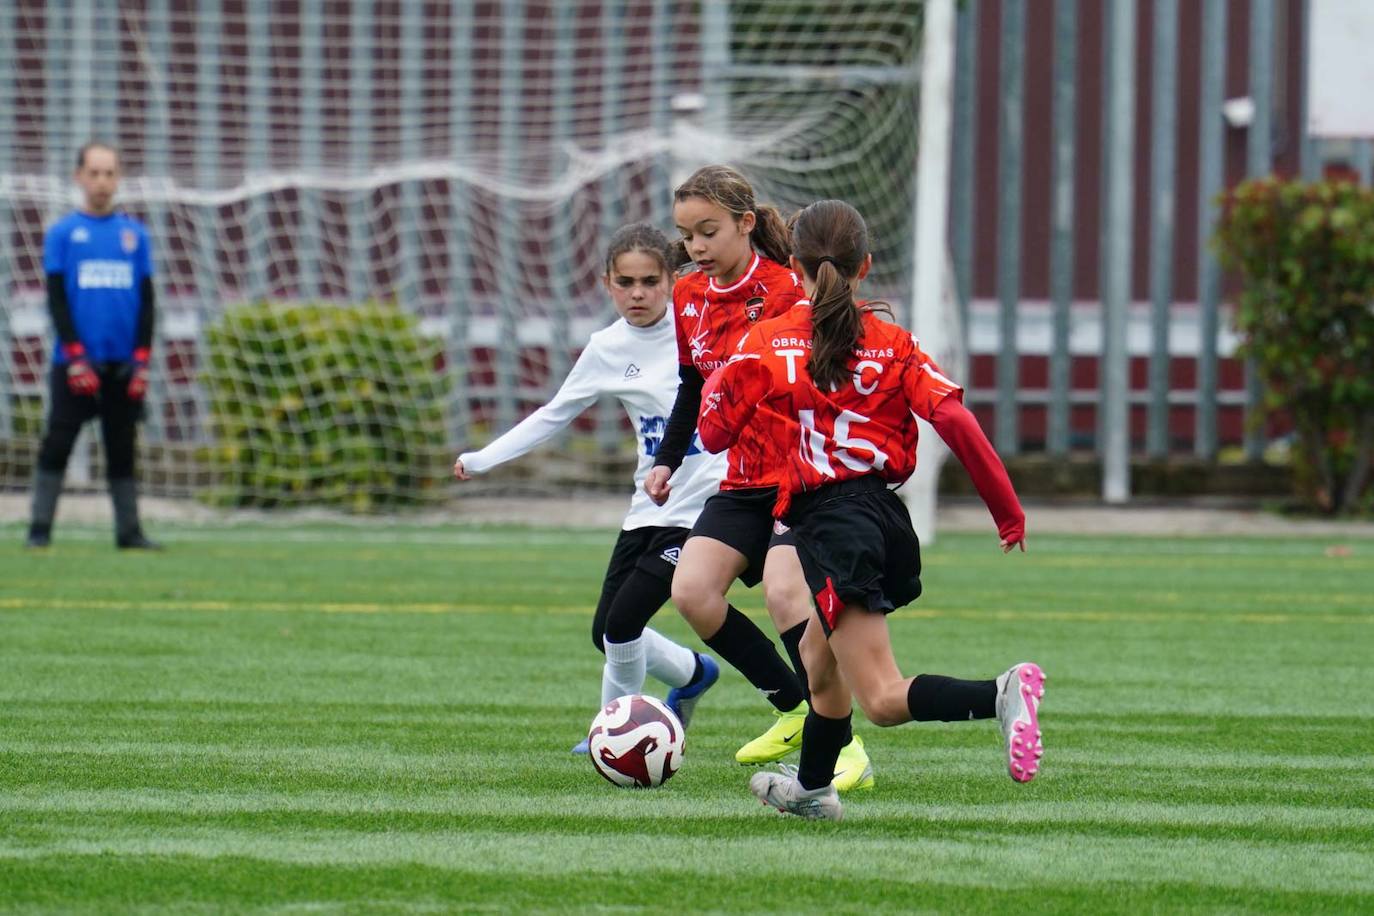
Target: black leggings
[67,413]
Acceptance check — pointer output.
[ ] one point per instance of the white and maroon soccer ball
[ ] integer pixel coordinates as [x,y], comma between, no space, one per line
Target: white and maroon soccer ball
[636,742]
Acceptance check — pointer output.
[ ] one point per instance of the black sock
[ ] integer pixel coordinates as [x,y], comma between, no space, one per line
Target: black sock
[698,672]
[822,740]
[791,641]
[933,697]
[741,643]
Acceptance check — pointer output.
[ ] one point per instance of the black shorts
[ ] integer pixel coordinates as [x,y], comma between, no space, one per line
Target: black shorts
[654,550]
[856,545]
[743,519]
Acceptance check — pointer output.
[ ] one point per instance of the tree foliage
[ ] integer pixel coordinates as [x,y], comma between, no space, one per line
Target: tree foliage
[325,405]
[1305,254]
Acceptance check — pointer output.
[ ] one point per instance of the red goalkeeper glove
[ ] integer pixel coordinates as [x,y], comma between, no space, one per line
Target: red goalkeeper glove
[138,378]
[81,378]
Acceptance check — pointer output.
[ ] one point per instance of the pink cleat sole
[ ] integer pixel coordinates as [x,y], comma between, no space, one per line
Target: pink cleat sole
[1021,720]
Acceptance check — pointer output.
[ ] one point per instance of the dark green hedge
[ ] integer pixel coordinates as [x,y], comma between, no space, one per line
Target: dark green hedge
[1305,253]
[325,405]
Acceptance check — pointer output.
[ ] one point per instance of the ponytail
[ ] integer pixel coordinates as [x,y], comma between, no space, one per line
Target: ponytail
[770,236]
[830,240]
[835,327]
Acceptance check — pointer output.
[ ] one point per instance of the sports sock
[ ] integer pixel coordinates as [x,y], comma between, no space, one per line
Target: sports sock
[822,740]
[791,641]
[623,672]
[666,661]
[741,643]
[934,697]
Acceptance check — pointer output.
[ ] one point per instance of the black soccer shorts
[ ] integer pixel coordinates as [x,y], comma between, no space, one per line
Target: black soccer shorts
[856,546]
[743,519]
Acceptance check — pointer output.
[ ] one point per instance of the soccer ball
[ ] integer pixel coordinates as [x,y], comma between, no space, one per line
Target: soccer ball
[636,742]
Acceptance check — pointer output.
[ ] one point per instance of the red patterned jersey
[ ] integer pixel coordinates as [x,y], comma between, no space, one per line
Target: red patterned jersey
[866,426]
[711,321]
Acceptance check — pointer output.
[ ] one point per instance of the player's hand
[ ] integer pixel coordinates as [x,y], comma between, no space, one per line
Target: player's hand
[1012,533]
[81,378]
[138,376]
[459,471]
[656,484]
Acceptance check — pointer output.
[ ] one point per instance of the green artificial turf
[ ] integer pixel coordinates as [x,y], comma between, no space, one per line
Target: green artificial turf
[331,718]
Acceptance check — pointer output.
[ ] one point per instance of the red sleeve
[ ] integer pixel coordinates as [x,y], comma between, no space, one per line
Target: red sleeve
[961,432]
[729,400]
[926,386]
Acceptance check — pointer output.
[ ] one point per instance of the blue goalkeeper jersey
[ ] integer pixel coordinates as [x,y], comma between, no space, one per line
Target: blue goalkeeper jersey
[104,260]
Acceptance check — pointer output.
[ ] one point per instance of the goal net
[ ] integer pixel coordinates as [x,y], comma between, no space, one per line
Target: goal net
[378,227]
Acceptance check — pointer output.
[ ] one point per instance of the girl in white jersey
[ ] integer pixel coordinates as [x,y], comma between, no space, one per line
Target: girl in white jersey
[634,359]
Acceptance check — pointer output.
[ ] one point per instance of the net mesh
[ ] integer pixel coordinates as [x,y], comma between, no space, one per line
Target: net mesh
[378,226]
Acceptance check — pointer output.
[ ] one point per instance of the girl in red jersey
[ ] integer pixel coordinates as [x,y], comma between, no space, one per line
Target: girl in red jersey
[849,387]
[738,247]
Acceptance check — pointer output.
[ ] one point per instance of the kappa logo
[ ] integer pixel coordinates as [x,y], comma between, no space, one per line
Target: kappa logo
[671,555]
[690,311]
[632,371]
[80,234]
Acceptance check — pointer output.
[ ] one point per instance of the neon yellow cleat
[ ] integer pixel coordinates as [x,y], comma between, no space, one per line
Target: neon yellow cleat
[853,769]
[781,739]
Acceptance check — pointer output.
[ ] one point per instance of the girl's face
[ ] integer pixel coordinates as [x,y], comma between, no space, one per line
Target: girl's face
[639,287]
[714,238]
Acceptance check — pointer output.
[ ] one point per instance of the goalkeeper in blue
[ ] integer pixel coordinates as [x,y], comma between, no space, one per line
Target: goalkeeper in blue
[635,360]
[99,269]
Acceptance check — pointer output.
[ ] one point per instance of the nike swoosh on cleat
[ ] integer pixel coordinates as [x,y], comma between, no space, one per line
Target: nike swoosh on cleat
[787,738]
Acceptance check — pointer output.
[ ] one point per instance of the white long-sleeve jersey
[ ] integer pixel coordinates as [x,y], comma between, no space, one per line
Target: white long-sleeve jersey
[639,367]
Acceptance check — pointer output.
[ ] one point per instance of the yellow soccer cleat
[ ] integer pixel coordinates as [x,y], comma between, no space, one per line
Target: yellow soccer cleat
[781,739]
[853,769]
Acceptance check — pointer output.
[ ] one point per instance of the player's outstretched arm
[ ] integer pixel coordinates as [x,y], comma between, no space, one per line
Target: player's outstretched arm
[961,432]
[730,399]
[579,391]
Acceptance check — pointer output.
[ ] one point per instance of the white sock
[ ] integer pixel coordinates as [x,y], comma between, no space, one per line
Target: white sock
[623,672]
[667,661]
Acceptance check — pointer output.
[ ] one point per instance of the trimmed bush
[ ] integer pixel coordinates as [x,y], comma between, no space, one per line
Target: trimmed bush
[1305,253]
[324,405]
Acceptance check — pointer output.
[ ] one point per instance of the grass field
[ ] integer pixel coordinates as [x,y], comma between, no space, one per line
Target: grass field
[331,719]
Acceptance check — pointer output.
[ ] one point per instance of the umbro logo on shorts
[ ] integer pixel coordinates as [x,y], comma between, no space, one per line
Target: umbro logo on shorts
[632,371]
[671,554]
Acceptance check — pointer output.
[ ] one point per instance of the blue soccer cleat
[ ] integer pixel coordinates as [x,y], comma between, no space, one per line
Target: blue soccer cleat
[582,747]
[682,700]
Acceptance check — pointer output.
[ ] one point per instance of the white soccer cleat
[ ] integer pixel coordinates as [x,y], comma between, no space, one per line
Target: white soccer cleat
[1019,691]
[784,793]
